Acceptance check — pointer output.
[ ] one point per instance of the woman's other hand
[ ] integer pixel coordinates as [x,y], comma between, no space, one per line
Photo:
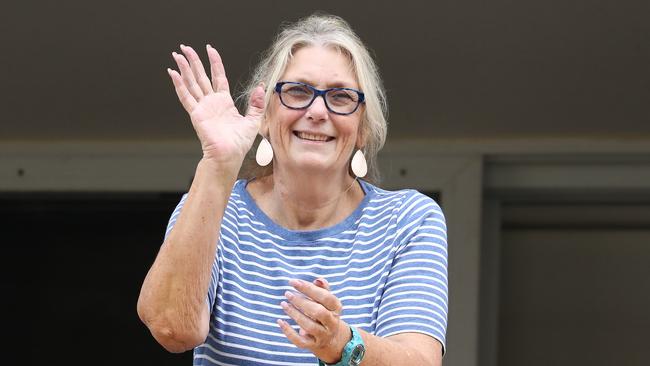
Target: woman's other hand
[224,133]
[317,312]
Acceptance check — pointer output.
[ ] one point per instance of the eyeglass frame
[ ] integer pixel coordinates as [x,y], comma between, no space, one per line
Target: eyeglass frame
[319,93]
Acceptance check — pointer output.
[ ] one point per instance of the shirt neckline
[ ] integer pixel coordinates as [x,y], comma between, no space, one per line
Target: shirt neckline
[304,235]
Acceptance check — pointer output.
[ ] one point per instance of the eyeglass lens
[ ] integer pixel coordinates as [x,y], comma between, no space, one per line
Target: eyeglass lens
[300,96]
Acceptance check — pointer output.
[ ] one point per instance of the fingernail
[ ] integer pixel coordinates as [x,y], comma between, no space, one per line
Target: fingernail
[295,283]
[319,282]
[208,46]
[289,295]
[284,305]
[183,46]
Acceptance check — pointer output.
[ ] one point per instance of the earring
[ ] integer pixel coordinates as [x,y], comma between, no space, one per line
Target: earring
[359,165]
[264,154]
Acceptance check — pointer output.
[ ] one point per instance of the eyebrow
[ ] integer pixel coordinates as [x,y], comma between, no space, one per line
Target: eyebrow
[334,84]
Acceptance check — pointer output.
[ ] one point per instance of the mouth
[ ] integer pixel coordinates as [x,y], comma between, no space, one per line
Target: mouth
[315,137]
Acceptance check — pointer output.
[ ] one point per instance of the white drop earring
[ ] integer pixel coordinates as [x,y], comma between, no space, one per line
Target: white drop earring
[359,165]
[264,154]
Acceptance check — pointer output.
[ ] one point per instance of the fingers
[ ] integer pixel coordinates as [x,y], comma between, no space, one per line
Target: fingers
[310,325]
[312,309]
[317,312]
[219,79]
[316,309]
[322,283]
[192,83]
[312,333]
[186,98]
[302,341]
[188,76]
[319,292]
[197,69]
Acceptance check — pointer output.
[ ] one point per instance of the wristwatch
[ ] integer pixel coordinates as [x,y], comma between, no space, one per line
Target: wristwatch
[353,351]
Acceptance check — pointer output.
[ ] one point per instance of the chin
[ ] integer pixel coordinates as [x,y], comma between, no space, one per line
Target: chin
[314,165]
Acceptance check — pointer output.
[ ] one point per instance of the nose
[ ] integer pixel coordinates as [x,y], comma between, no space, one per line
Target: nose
[317,111]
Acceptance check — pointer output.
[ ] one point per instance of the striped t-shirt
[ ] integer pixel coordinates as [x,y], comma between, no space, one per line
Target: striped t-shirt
[386,263]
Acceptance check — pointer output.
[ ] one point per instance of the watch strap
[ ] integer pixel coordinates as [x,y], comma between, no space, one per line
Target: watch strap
[353,351]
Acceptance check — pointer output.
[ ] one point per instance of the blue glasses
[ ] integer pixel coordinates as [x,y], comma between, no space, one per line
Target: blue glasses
[296,95]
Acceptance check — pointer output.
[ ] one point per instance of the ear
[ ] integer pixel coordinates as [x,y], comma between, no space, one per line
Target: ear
[268,112]
[264,124]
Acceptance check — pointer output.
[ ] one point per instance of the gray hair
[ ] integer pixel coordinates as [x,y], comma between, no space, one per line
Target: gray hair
[331,31]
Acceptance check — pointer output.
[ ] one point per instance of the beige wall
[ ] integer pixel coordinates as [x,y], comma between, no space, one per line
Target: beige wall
[79,70]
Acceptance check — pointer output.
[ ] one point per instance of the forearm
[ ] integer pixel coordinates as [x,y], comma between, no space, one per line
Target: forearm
[172,299]
[403,349]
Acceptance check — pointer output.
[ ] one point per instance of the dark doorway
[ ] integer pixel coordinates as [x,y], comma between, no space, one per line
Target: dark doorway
[74,264]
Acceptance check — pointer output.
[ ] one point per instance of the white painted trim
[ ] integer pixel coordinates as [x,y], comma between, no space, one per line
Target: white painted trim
[97,166]
[169,165]
[495,146]
[632,172]
[459,181]
[519,146]
[462,200]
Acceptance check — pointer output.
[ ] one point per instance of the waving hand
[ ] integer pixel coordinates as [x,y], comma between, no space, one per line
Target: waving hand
[224,133]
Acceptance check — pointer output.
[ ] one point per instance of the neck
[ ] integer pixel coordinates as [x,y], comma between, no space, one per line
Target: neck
[308,201]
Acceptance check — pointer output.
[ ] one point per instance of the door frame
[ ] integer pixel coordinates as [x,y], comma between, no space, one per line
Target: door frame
[566,177]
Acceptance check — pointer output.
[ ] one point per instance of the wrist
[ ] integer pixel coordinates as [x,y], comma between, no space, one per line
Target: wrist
[211,176]
[335,352]
[231,160]
[223,169]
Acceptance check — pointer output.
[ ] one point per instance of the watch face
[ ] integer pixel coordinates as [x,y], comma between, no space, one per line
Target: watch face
[357,354]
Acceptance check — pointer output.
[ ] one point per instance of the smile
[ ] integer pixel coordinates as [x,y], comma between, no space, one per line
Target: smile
[312,136]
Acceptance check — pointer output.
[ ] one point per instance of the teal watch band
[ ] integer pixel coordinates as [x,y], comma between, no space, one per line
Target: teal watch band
[353,351]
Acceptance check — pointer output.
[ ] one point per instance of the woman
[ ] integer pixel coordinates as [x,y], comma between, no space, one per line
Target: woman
[304,262]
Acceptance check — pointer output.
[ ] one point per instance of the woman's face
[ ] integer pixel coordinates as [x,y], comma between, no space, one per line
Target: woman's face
[315,139]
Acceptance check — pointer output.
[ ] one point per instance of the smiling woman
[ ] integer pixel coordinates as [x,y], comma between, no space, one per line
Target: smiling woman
[307,137]
[305,261]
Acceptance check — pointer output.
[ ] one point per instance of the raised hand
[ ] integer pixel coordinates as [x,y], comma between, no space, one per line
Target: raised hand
[317,312]
[224,133]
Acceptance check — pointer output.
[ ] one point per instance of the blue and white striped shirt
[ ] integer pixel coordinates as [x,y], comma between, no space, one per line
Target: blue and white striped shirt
[386,262]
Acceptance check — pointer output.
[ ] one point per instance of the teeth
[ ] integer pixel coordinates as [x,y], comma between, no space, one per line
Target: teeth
[312,137]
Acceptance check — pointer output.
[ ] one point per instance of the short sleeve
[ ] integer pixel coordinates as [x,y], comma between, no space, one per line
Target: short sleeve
[415,298]
[174,216]
[214,275]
